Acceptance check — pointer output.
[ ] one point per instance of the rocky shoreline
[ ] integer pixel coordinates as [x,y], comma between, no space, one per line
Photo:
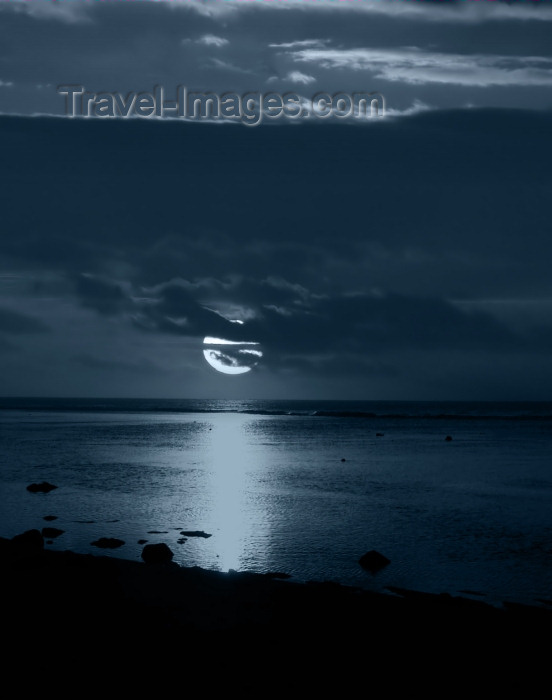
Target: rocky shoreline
[85,604]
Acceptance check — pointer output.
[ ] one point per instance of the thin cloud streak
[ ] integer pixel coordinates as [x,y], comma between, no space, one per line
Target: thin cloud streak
[81,12]
[416,66]
[298,77]
[212,40]
[452,12]
[65,12]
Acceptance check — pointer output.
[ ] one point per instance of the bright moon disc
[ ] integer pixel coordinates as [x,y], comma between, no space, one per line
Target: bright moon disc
[229,356]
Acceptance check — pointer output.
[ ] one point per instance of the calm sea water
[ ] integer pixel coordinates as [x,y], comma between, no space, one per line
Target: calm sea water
[303,488]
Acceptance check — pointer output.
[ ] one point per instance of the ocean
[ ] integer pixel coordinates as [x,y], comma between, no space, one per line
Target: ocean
[303,488]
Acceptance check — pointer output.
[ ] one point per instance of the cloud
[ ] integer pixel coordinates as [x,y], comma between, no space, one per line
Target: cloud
[375,323]
[417,66]
[65,11]
[292,321]
[172,308]
[288,230]
[417,107]
[167,231]
[228,66]
[82,11]
[16,323]
[227,206]
[212,40]
[134,46]
[461,11]
[298,77]
[304,43]
[106,297]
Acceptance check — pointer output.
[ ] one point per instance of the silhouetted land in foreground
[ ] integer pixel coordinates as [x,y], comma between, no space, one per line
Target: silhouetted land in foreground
[252,631]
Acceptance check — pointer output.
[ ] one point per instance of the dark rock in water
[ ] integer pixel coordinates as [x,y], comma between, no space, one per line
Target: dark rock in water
[157,553]
[28,542]
[43,487]
[379,434]
[182,540]
[448,438]
[142,541]
[51,532]
[194,533]
[373,561]
[158,532]
[343,459]
[108,543]
[50,517]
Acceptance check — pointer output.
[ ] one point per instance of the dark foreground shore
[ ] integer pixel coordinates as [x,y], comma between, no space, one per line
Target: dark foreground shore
[99,614]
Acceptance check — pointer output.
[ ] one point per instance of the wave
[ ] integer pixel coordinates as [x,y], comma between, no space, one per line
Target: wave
[431,416]
[367,410]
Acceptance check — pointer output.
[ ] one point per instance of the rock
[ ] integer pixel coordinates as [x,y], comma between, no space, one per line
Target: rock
[50,517]
[194,533]
[343,459]
[108,543]
[181,540]
[157,553]
[158,532]
[448,438]
[43,487]
[51,532]
[29,541]
[379,434]
[277,574]
[373,561]
[142,541]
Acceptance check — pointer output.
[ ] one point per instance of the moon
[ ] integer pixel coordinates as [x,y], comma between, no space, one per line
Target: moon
[230,356]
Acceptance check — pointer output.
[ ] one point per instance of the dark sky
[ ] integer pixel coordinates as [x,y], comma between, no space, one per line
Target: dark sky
[404,256]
